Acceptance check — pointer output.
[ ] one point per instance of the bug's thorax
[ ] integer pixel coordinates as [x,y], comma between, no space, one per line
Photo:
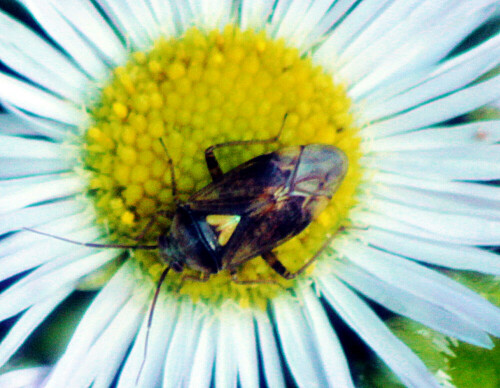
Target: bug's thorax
[189,241]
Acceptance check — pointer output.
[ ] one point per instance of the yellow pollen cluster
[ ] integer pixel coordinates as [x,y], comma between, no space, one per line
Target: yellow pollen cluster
[195,91]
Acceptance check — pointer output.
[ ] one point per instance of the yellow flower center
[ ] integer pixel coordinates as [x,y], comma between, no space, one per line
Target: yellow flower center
[196,91]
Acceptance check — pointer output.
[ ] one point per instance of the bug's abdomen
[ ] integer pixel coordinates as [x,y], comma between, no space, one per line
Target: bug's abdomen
[313,174]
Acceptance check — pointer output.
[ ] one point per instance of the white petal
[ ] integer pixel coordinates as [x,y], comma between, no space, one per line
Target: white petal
[88,22]
[391,89]
[121,15]
[215,13]
[15,168]
[478,162]
[204,355]
[407,366]
[415,53]
[254,13]
[468,228]
[486,195]
[226,369]
[330,350]
[102,310]
[185,11]
[43,252]
[28,322]
[391,20]
[404,303]
[10,124]
[454,256]
[23,40]
[425,19]
[164,318]
[38,102]
[243,332]
[24,294]
[11,185]
[298,347]
[56,225]
[36,215]
[19,147]
[279,9]
[59,29]
[16,122]
[437,202]
[24,378]
[27,67]
[145,19]
[307,23]
[21,157]
[273,370]
[103,359]
[59,186]
[180,354]
[290,19]
[442,109]
[163,12]
[382,221]
[450,76]
[354,22]
[427,284]
[481,132]
[53,265]
[338,10]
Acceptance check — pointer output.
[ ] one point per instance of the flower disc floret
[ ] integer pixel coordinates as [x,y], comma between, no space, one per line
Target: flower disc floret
[195,91]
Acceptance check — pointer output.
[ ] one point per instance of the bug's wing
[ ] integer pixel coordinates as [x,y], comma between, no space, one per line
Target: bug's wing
[264,229]
[261,176]
[305,181]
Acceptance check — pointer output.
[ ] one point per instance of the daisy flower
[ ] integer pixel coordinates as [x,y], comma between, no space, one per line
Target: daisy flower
[86,103]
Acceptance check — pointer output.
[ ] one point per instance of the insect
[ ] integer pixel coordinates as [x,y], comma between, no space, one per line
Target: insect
[252,209]
[247,211]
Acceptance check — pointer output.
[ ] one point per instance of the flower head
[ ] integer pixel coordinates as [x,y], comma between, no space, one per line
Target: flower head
[103,140]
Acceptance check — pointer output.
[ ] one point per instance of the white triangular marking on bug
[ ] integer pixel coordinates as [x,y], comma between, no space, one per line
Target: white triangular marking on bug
[224,226]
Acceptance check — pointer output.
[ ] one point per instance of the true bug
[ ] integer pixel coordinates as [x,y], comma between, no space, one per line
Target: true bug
[247,211]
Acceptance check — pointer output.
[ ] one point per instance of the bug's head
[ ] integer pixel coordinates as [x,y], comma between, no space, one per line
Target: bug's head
[170,253]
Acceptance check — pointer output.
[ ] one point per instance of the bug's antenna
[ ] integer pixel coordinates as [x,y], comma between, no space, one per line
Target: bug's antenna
[150,319]
[281,128]
[172,172]
[93,245]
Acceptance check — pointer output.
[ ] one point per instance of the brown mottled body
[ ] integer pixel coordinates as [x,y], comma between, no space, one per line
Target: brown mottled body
[272,198]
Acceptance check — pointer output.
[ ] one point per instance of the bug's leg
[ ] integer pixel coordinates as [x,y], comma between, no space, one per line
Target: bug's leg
[275,264]
[212,163]
[151,222]
[234,278]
